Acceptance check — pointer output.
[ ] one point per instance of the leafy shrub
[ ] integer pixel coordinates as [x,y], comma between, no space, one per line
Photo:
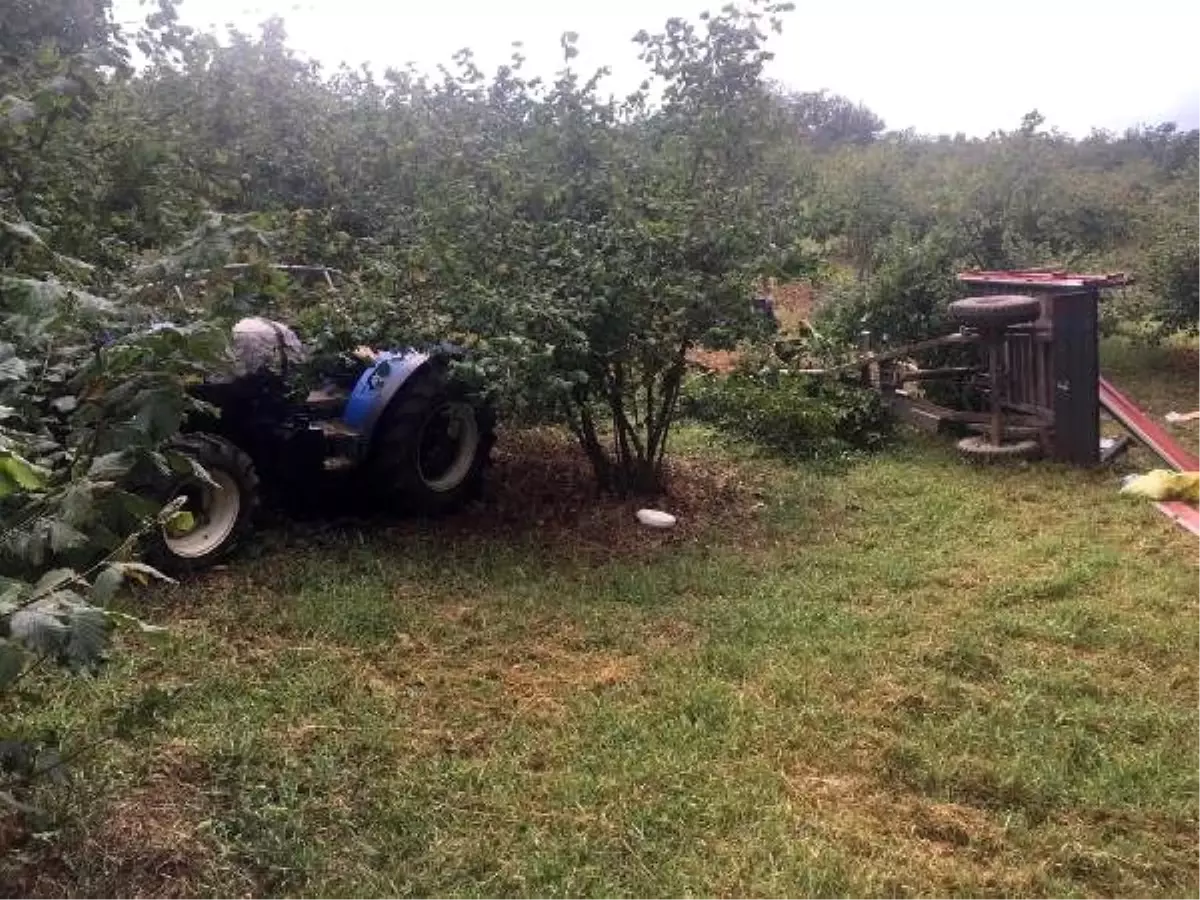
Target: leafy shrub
[1174,275]
[798,415]
[905,298]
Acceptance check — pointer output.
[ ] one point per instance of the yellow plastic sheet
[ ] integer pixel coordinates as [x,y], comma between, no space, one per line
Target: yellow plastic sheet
[1162,484]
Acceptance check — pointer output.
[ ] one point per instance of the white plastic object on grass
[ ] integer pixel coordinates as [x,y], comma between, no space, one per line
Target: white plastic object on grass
[1174,417]
[655,518]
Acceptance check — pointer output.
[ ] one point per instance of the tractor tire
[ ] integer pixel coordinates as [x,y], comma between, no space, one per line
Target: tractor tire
[980,448]
[224,516]
[996,312]
[431,447]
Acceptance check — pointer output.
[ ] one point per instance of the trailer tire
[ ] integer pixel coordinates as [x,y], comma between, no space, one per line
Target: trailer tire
[999,311]
[980,448]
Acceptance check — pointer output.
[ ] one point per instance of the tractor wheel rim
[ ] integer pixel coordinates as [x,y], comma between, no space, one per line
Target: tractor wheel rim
[446,446]
[216,517]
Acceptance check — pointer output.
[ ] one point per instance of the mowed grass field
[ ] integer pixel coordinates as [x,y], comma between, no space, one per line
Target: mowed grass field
[903,675]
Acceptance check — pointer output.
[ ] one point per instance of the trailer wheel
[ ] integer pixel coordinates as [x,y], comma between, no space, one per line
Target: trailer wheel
[996,312]
[979,448]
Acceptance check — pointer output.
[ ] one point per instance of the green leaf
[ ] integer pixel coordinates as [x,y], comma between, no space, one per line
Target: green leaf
[78,502]
[160,413]
[137,506]
[106,585]
[202,473]
[62,625]
[22,231]
[11,591]
[13,369]
[51,295]
[53,580]
[142,572]
[179,463]
[12,662]
[180,523]
[38,628]
[16,111]
[63,537]
[111,466]
[182,464]
[17,473]
[88,630]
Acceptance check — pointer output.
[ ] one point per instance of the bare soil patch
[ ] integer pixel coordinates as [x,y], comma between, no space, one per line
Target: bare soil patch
[541,489]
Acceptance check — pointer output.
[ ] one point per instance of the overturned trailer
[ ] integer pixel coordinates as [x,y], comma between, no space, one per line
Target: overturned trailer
[1040,371]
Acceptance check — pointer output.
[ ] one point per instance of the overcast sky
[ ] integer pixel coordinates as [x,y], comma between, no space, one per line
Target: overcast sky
[934,65]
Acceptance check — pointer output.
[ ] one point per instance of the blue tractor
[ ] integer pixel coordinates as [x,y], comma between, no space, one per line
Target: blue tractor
[392,429]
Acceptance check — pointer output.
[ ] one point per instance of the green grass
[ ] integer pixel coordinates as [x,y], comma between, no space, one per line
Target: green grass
[906,676]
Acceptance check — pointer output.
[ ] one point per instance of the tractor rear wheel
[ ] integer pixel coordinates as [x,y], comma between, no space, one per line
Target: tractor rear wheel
[221,515]
[431,446]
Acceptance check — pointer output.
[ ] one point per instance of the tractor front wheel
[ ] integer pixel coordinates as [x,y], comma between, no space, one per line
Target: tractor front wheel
[219,515]
[431,447]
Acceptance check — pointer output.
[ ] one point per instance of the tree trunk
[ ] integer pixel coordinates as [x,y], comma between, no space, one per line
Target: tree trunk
[634,463]
[583,426]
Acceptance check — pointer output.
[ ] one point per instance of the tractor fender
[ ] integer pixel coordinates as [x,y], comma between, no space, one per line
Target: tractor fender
[378,385]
